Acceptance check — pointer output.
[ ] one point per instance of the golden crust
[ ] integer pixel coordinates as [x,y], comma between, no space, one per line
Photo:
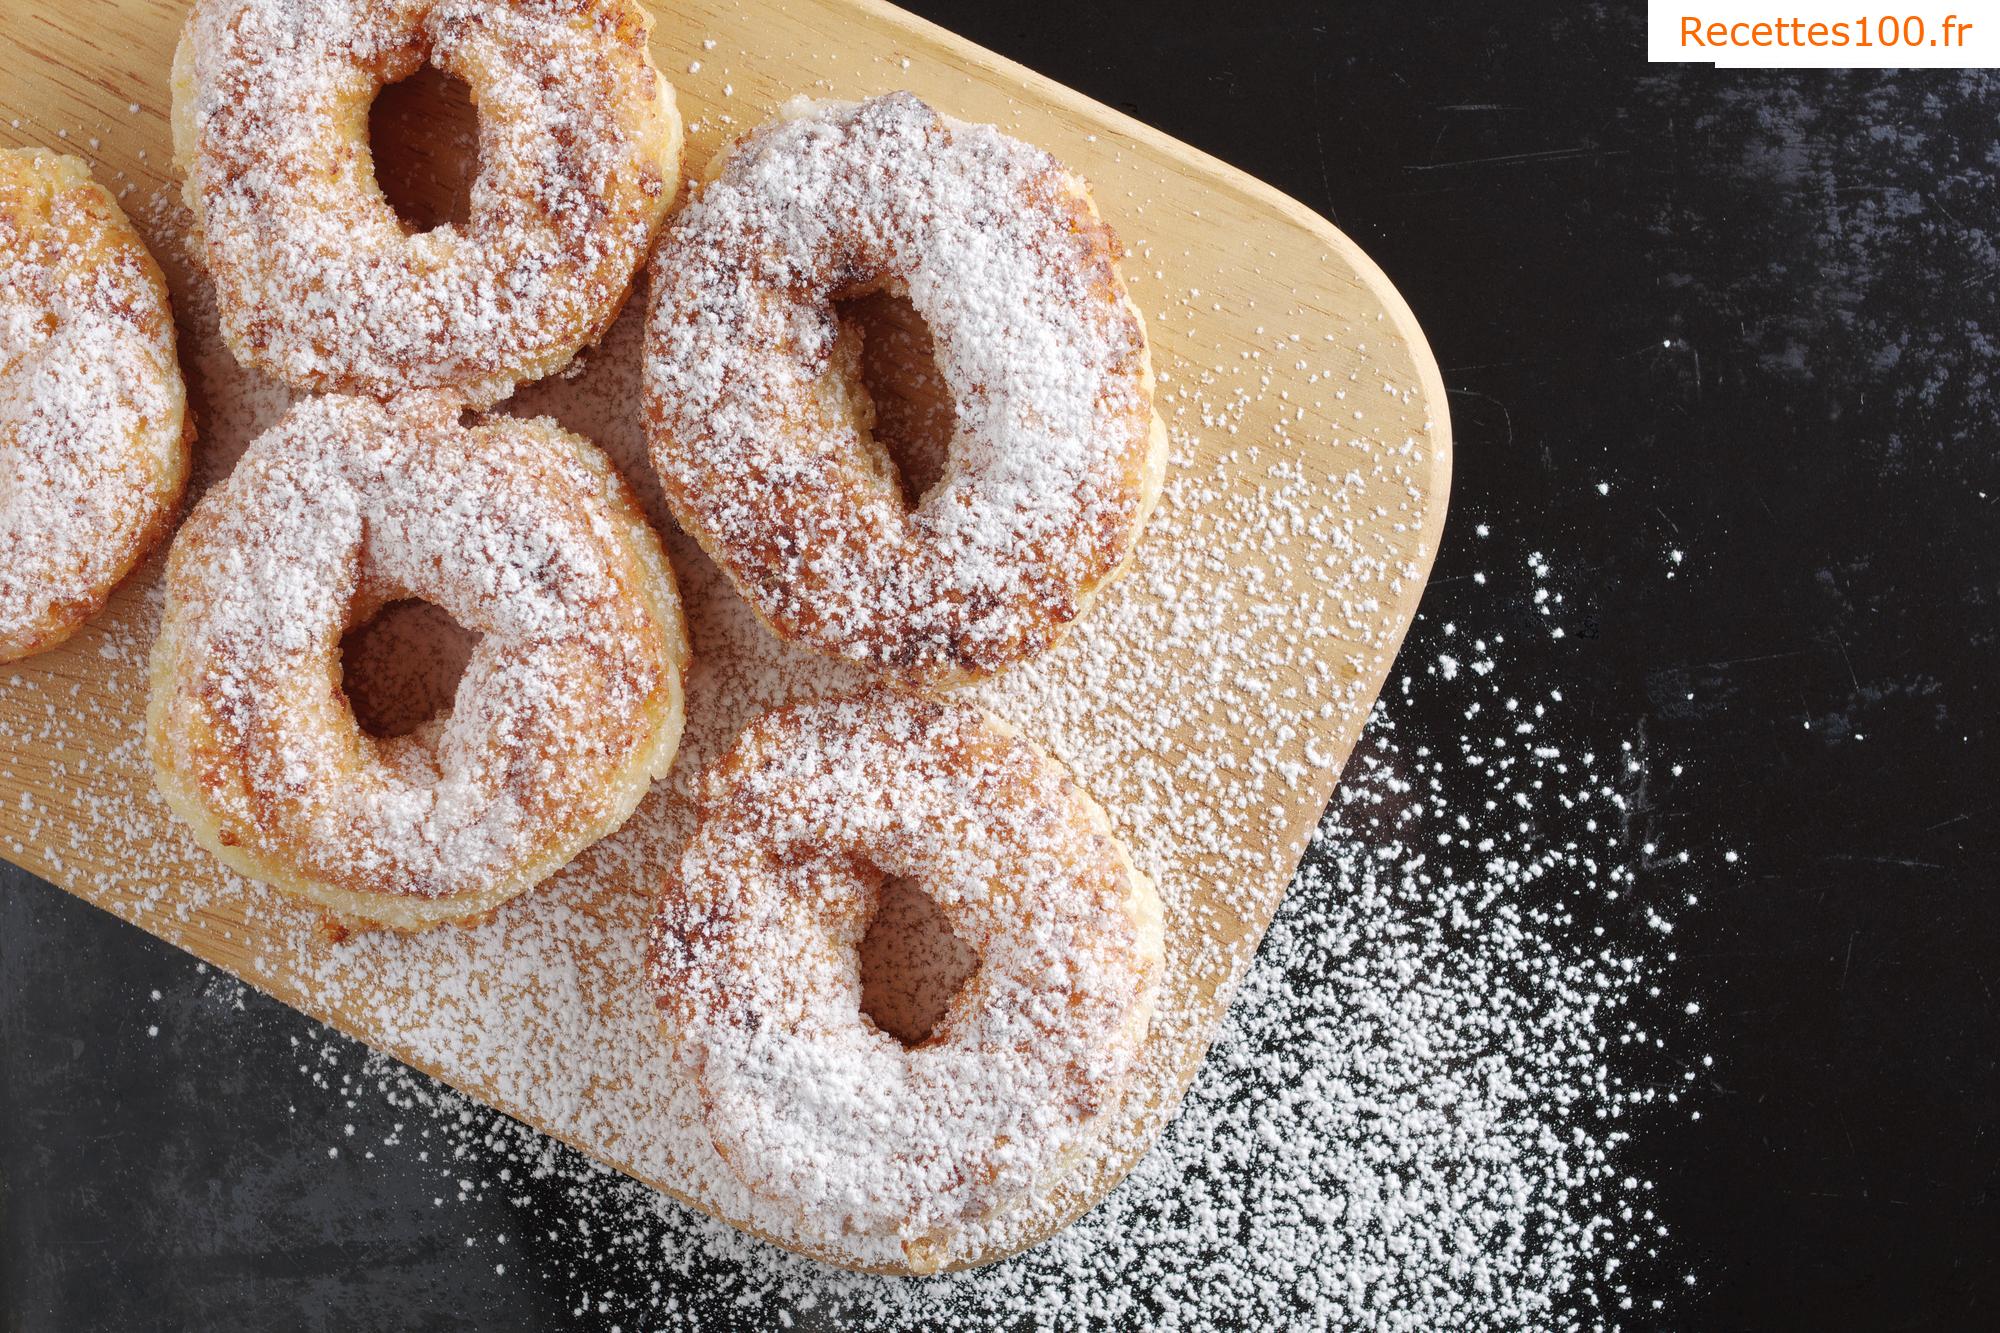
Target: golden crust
[93,413]
[572,704]
[764,441]
[317,281]
[753,964]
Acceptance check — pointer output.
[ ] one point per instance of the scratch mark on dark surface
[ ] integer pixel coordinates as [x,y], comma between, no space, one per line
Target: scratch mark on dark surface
[1507,159]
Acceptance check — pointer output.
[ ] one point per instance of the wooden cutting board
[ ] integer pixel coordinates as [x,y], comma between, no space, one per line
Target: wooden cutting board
[1209,701]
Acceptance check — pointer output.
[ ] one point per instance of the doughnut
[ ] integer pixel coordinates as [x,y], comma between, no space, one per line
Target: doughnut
[569,707]
[753,962]
[319,284]
[764,437]
[94,425]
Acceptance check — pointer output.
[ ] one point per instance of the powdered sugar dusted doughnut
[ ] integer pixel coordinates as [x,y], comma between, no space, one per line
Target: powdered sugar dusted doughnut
[882,1155]
[569,707]
[762,436]
[316,279]
[94,427]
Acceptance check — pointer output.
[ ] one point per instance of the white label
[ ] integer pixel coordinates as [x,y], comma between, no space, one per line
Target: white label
[1824,34]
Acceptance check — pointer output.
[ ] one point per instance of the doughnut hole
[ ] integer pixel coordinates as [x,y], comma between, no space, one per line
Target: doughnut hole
[424,135]
[913,408]
[912,964]
[400,668]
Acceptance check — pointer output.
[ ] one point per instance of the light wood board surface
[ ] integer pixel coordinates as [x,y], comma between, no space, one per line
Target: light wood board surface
[1209,701]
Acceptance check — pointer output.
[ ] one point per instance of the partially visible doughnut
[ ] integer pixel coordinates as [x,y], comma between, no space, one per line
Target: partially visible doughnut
[569,707]
[754,964]
[94,425]
[317,281]
[764,439]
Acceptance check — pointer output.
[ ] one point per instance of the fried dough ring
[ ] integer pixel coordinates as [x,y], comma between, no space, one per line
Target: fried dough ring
[569,707]
[763,436]
[94,425]
[317,281]
[754,963]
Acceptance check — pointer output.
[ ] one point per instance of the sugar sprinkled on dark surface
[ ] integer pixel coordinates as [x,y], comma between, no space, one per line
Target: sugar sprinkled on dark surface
[1420,1113]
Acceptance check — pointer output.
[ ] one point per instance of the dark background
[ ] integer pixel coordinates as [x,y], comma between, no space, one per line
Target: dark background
[1759,305]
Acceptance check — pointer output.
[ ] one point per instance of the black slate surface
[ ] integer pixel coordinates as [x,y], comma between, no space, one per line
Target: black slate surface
[1759,306]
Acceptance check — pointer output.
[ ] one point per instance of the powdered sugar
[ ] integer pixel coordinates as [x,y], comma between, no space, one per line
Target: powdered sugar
[1420,1114]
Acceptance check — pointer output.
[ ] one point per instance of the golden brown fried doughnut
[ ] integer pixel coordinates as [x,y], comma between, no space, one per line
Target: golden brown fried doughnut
[763,438]
[754,963]
[94,426]
[317,281]
[569,707]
